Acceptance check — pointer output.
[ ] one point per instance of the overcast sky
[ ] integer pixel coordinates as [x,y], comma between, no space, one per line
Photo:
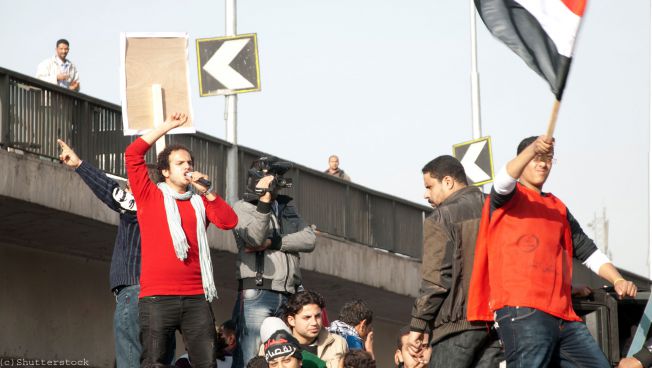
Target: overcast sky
[386,86]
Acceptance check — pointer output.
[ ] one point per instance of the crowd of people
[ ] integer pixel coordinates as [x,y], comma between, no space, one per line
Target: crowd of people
[496,271]
[163,280]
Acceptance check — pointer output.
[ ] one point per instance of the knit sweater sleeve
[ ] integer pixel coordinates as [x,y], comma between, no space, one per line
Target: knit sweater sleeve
[141,185]
[503,189]
[101,185]
[583,246]
[220,213]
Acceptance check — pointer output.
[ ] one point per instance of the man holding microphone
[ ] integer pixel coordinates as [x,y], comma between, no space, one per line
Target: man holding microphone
[176,270]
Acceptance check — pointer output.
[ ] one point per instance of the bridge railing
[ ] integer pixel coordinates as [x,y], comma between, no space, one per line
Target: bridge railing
[34,113]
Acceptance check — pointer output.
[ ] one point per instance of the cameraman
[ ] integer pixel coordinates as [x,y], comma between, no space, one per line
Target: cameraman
[270,235]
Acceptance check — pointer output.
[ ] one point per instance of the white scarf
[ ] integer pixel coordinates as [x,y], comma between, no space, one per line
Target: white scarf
[179,237]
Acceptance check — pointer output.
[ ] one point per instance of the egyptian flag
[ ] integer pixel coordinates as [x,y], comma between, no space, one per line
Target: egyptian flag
[541,32]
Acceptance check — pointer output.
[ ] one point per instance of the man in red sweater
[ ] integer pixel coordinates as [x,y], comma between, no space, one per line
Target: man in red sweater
[176,273]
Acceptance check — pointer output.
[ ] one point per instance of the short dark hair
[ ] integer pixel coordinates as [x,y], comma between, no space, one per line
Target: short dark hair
[525,143]
[301,299]
[64,41]
[446,166]
[257,362]
[359,359]
[355,312]
[163,159]
[405,330]
[229,325]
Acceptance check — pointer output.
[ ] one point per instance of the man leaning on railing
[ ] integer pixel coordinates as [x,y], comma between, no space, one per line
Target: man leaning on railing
[58,69]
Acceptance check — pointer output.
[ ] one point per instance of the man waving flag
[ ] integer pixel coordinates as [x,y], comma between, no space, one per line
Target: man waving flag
[541,32]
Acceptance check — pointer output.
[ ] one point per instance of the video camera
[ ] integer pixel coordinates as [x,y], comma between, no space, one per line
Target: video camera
[270,166]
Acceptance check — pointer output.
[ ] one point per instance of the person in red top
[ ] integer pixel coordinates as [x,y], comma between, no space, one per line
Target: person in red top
[523,267]
[176,273]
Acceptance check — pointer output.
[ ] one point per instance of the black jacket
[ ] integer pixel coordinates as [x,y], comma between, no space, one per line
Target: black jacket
[449,235]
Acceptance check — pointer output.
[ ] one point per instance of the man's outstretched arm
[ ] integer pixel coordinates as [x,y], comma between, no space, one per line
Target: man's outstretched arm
[540,146]
[585,250]
[101,185]
[173,121]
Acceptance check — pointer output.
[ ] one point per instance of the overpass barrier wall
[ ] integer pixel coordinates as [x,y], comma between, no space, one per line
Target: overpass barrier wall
[47,206]
[33,114]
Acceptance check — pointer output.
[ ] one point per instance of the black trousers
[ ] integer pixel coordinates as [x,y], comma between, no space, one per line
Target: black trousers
[161,316]
[472,348]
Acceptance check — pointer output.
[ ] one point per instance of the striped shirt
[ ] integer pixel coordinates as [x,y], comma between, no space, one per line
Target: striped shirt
[125,263]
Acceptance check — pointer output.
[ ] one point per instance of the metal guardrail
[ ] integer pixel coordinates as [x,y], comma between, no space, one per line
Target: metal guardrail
[34,113]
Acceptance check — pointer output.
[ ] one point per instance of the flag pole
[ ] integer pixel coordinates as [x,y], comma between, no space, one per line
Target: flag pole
[475,77]
[552,123]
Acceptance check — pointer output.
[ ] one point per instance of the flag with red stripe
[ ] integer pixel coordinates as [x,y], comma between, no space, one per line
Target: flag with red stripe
[541,32]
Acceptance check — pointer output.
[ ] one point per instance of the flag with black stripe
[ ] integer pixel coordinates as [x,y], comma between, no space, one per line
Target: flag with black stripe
[541,32]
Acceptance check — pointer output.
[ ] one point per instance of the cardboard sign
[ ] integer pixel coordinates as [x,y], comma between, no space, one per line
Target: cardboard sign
[149,59]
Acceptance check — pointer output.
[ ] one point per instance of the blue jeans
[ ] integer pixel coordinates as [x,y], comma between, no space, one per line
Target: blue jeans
[126,329]
[251,308]
[533,338]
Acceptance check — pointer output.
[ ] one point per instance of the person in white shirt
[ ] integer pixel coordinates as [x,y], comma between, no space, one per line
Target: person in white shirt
[58,69]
